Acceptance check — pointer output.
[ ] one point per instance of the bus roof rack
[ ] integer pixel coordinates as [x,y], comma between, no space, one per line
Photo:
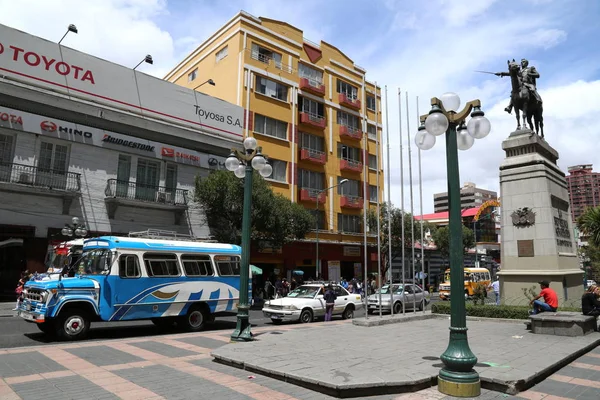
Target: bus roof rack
[168,235]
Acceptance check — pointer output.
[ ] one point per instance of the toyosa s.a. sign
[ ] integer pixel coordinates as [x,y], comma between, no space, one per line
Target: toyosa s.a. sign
[32,60]
[77,133]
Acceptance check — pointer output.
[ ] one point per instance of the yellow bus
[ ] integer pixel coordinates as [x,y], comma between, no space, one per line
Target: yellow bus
[473,276]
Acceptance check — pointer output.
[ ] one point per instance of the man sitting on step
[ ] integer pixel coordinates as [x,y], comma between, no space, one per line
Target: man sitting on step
[550,302]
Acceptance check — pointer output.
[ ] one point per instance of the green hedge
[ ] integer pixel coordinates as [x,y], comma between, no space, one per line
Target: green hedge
[492,311]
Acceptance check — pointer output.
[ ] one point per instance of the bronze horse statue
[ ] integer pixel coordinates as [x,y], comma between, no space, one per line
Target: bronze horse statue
[524,101]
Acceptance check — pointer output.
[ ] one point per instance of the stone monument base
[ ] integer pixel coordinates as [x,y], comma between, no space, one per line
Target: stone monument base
[537,230]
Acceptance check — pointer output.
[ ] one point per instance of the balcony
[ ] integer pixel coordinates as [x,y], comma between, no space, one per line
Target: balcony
[351,165]
[349,132]
[352,202]
[314,120]
[29,179]
[314,156]
[311,195]
[348,101]
[269,61]
[312,86]
[132,194]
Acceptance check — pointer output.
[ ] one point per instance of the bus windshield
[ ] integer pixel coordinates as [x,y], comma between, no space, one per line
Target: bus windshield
[94,262]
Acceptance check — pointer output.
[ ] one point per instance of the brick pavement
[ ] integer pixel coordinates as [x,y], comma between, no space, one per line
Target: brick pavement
[180,367]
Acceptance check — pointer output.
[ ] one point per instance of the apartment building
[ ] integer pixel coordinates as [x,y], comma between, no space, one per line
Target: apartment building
[584,189]
[317,118]
[470,196]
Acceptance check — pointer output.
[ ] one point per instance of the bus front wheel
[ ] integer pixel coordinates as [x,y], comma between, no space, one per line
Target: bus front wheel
[72,324]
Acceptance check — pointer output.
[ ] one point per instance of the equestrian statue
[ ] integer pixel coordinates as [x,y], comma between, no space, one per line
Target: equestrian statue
[524,97]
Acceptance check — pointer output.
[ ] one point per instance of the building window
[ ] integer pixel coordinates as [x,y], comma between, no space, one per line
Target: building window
[264,55]
[228,265]
[6,149]
[319,216]
[372,132]
[311,179]
[192,75]
[129,266]
[53,158]
[221,54]
[123,171]
[271,88]
[147,179]
[270,127]
[372,161]
[311,107]
[313,143]
[350,91]
[171,181]
[349,223]
[314,76]
[197,265]
[350,188]
[279,170]
[348,153]
[371,103]
[161,265]
[373,193]
[350,120]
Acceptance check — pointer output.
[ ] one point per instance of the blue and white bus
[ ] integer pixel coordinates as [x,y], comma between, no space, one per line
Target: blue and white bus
[170,282]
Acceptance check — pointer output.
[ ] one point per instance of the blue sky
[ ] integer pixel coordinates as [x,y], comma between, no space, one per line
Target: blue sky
[423,47]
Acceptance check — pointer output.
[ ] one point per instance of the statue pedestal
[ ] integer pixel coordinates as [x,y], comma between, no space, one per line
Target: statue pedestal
[537,230]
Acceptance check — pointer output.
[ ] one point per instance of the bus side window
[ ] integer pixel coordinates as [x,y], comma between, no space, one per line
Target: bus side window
[228,265]
[129,266]
[197,265]
[161,265]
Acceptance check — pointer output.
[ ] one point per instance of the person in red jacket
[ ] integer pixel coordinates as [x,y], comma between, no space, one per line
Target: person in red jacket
[550,302]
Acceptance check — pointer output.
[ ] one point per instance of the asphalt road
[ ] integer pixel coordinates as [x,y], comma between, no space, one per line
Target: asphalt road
[16,332]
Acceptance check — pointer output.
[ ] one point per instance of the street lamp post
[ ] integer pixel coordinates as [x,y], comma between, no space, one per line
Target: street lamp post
[243,165]
[457,378]
[74,229]
[318,265]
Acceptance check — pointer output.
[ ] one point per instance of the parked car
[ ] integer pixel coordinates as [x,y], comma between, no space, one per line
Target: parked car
[412,296]
[306,303]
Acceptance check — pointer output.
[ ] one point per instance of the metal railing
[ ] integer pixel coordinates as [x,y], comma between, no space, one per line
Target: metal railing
[312,82]
[30,175]
[313,152]
[313,192]
[353,163]
[353,199]
[146,193]
[314,117]
[267,60]
[351,129]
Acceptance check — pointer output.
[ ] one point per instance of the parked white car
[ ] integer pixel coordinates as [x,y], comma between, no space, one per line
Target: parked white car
[306,303]
[411,295]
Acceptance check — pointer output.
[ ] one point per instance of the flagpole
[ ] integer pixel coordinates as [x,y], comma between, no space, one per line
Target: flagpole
[412,215]
[421,210]
[401,189]
[378,206]
[389,202]
[366,206]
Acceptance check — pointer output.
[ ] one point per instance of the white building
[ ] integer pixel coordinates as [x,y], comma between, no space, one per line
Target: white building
[80,136]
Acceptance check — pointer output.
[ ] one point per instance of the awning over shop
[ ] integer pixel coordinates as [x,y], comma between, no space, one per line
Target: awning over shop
[255,270]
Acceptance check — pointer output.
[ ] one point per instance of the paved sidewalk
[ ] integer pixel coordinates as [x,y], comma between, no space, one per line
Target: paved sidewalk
[179,367]
[348,360]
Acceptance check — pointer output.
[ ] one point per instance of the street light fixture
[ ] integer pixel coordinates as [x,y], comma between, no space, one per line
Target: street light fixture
[75,229]
[243,164]
[210,82]
[317,223]
[148,59]
[457,378]
[71,28]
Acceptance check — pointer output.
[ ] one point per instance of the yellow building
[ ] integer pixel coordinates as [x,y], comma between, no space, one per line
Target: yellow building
[315,115]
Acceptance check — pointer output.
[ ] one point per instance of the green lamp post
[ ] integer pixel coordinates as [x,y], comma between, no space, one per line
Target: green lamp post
[243,165]
[457,378]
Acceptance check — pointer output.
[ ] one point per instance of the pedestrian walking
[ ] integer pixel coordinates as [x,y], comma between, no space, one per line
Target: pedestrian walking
[550,302]
[496,288]
[20,287]
[329,298]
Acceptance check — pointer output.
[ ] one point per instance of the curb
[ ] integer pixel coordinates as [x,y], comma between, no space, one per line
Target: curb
[392,320]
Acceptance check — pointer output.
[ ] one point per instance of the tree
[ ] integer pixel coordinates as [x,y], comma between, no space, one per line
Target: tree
[441,237]
[275,219]
[398,218]
[589,224]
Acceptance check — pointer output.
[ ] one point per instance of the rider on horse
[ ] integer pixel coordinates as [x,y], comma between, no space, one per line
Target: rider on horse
[528,76]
